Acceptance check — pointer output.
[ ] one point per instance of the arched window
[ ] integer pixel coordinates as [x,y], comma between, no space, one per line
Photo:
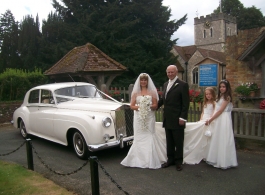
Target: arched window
[211,31]
[204,33]
[195,76]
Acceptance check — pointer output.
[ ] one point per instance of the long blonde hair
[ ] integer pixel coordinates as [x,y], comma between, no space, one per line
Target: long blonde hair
[212,101]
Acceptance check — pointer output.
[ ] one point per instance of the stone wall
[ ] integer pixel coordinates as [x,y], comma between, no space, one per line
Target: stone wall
[6,111]
[238,72]
[221,26]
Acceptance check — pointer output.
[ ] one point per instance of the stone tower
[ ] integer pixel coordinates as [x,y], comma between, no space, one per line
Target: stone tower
[211,31]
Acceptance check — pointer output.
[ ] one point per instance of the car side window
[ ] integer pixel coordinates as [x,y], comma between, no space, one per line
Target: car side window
[34,96]
[46,97]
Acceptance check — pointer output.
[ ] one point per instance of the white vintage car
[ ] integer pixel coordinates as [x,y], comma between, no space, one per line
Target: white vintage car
[76,114]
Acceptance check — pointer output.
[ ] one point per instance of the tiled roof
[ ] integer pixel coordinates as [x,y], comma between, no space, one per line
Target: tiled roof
[86,58]
[214,55]
[185,52]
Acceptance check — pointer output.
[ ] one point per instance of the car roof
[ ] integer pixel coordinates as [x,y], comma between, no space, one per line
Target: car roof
[54,86]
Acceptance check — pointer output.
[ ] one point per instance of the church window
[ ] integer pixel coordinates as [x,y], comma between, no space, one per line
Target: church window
[211,32]
[204,33]
[195,76]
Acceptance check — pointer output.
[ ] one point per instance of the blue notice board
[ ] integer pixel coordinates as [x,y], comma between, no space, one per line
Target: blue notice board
[208,75]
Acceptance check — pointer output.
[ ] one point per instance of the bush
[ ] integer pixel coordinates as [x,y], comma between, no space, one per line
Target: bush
[15,83]
[195,96]
[243,89]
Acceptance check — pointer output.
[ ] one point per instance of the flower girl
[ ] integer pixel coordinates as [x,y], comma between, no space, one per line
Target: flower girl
[197,134]
[222,152]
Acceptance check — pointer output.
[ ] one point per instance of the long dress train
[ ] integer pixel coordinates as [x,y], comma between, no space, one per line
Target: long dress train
[148,149]
[222,152]
[195,142]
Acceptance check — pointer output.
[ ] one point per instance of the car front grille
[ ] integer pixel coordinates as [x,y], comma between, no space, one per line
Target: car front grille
[124,121]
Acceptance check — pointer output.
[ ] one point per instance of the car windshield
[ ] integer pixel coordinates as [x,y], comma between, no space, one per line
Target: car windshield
[84,91]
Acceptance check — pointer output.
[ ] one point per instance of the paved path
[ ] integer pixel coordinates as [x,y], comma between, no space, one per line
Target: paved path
[247,179]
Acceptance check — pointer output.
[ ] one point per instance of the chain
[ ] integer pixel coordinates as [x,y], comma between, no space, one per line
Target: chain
[70,173]
[14,150]
[48,167]
[108,175]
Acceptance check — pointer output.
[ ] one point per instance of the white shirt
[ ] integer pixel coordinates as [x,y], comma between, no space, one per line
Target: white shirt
[170,83]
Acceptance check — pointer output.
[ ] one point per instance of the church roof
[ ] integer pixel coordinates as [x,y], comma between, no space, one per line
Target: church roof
[185,52]
[214,55]
[86,58]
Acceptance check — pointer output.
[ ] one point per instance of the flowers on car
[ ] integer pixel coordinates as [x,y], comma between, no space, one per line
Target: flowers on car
[144,109]
[114,93]
[195,96]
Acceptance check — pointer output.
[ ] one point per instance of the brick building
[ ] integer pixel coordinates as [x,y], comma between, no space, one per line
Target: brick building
[239,56]
[245,62]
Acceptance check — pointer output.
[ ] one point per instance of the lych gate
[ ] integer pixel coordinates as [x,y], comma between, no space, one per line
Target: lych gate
[88,64]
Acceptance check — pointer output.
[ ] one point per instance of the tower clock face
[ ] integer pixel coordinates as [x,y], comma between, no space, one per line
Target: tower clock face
[207,24]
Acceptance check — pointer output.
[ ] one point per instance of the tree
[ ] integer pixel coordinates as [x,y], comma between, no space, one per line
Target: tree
[29,43]
[247,18]
[230,7]
[251,18]
[135,33]
[9,31]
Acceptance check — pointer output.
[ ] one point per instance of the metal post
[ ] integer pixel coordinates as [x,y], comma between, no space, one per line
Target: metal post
[29,154]
[94,175]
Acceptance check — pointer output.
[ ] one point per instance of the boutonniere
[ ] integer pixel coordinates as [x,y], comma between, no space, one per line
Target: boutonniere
[175,84]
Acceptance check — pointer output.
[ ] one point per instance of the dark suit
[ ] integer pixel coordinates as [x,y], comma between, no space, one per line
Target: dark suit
[176,105]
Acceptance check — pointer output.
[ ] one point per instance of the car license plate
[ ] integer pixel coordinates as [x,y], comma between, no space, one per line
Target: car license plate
[129,143]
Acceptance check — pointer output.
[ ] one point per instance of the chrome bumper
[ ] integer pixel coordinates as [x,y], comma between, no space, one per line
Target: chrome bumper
[123,141]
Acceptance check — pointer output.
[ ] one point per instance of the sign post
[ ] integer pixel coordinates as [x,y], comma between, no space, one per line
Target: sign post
[207,75]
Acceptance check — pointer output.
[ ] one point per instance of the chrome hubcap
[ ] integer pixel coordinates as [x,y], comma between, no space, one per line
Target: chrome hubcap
[78,143]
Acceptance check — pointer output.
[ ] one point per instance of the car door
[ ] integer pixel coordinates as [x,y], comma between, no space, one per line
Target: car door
[45,114]
[33,104]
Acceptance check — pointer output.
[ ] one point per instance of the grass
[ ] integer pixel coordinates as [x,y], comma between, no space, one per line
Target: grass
[17,180]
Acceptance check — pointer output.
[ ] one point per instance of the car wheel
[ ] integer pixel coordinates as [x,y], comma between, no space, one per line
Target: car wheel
[80,146]
[23,130]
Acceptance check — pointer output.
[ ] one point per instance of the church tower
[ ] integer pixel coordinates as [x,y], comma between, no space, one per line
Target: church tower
[211,31]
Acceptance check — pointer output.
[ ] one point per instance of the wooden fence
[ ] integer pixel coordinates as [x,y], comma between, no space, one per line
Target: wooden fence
[247,123]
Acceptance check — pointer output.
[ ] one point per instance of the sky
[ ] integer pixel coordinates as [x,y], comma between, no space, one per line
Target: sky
[185,34]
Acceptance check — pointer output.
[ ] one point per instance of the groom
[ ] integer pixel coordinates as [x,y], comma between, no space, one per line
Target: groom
[176,105]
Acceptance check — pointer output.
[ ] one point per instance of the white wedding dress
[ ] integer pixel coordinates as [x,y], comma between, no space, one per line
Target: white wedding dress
[149,148]
[195,142]
[222,152]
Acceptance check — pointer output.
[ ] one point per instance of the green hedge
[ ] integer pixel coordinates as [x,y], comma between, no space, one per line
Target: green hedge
[15,83]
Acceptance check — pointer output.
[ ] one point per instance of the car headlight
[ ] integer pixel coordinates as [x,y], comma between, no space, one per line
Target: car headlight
[106,121]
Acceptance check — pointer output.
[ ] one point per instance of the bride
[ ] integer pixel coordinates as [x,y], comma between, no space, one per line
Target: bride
[148,149]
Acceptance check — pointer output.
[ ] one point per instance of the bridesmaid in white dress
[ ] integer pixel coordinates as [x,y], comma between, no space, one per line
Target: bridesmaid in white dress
[195,141]
[148,149]
[222,152]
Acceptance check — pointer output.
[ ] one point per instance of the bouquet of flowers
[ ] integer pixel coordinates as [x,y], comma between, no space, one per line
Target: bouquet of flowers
[144,109]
